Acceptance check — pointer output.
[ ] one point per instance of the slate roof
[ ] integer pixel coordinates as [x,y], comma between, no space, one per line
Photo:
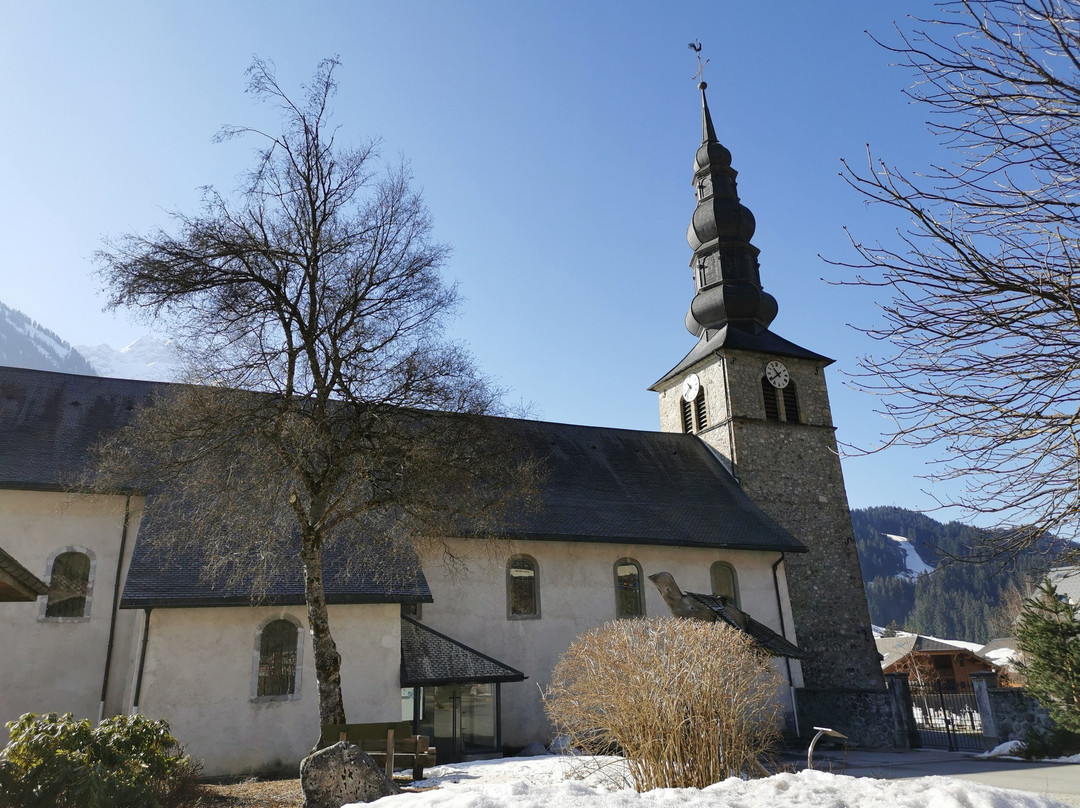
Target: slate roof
[762,634]
[632,487]
[430,658]
[764,341]
[601,485]
[167,577]
[48,422]
[17,583]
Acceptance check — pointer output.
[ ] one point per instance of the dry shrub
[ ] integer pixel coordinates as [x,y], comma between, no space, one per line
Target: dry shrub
[687,703]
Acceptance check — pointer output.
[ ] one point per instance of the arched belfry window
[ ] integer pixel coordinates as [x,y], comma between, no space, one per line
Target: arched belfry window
[724,582]
[277,660]
[70,573]
[695,416]
[522,588]
[781,404]
[629,597]
[790,402]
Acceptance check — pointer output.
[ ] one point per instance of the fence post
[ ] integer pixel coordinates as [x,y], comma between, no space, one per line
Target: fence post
[905,733]
[980,682]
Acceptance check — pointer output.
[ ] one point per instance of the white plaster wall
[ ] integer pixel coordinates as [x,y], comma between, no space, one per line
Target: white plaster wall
[197,676]
[577,593]
[50,666]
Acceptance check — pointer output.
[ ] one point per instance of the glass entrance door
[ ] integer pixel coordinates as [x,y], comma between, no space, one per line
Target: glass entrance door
[460,720]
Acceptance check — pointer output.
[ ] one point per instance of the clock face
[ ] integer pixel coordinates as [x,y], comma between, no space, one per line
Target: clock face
[777,374]
[690,386]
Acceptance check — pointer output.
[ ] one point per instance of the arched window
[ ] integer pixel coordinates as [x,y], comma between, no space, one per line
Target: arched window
[695,415]
[522,588]
[724,582]
[629,599]
[780,404]
[771,398]
[790,401]
[71,578]
[277,660]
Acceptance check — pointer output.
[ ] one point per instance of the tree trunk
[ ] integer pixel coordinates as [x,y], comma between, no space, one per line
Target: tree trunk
[327,659]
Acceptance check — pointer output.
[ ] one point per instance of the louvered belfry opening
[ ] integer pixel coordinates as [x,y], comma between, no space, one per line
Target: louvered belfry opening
[700,415]
[791,403]
[772,407]
[694,414]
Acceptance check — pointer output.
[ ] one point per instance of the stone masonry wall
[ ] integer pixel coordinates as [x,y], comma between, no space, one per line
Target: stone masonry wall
[865,716]
[1014,712]
[792,471]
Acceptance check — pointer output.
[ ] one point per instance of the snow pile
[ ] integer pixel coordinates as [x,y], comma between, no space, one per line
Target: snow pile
[573,782]
[915,565]
[1009,749]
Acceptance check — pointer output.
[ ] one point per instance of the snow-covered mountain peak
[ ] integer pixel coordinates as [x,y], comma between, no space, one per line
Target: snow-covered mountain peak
[25,343]
[147,358]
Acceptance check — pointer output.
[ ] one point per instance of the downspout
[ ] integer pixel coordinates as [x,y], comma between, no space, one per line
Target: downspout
[732,466]
[115,608]
[142,661]
[783,633]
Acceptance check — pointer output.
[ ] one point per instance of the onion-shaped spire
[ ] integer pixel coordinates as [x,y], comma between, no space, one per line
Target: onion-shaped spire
[726,277]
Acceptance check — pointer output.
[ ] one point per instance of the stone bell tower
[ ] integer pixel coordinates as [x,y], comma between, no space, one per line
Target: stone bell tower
[760,401]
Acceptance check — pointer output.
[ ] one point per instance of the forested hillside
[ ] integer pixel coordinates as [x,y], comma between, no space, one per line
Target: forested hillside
[957,600]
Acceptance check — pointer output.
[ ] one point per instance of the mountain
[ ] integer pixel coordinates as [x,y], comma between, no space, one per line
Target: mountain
[146,358]
[27,344]
[913,579]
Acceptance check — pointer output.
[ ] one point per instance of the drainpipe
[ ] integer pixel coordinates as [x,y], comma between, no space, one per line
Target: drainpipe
[783,633]
[115,608]
[142,660]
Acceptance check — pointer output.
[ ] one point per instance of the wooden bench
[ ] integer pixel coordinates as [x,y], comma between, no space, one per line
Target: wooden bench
[390,745]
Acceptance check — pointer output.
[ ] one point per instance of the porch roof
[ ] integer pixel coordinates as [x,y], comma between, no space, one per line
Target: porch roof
[431,658]
[17,583]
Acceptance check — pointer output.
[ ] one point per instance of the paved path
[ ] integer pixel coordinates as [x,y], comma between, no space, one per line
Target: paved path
[1058,780]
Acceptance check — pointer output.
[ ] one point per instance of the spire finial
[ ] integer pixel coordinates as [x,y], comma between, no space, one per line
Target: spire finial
[695,46]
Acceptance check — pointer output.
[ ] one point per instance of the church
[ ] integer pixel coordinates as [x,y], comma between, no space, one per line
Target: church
[739,494]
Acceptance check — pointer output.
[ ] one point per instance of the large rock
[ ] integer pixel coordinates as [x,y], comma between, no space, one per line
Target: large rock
[341,774]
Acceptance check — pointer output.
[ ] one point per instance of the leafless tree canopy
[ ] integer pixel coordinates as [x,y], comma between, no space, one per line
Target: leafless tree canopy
[981,338]
[328,411]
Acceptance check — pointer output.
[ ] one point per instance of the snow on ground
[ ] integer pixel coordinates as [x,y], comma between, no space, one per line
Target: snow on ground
[584,782]
[915,565]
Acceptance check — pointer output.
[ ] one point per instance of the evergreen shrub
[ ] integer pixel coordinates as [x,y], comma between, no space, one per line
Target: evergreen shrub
[58,761]
[1048,632]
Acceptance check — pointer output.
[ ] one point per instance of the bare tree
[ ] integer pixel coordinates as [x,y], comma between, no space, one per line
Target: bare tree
[981,353]
[329,414]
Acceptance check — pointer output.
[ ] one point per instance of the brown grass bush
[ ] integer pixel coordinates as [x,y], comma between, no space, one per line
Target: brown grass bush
[687,703]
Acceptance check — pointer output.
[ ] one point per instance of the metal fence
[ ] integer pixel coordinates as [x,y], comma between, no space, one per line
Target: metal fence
[946,715]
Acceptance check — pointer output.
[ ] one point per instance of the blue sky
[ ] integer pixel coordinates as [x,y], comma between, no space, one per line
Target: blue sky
[553,141]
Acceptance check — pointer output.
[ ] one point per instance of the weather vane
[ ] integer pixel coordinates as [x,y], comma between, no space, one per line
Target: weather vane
[695,46]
